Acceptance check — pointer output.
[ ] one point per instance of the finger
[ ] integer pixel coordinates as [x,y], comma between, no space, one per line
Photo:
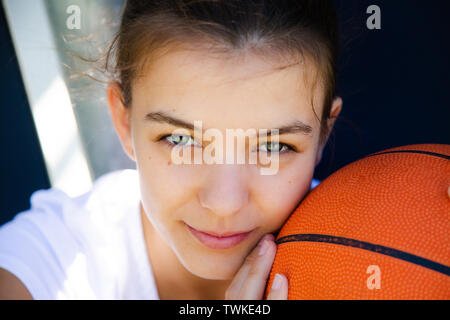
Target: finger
[241,276]
[279,289]
[239,279]
[261,264]
[237,283]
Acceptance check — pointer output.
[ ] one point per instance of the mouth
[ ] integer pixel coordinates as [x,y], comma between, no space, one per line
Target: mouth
[215,240]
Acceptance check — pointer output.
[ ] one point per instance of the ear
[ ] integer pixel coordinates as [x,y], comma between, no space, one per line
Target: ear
[336,109]
[120,116]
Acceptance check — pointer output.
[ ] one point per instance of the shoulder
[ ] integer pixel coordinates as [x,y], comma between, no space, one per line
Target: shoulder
[37,245]
[52,247]
[12,288]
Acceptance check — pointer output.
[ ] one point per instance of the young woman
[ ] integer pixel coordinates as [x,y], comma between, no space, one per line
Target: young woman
[191,230]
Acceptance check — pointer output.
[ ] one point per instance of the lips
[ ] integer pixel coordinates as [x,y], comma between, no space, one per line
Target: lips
[216,241]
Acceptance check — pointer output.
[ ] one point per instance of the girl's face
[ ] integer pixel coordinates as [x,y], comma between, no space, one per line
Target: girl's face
[240,93]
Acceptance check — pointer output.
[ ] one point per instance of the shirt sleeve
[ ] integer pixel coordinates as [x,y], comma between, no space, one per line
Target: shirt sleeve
[314,183]
[36,245]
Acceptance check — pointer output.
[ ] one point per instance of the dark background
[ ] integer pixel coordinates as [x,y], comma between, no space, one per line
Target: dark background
[22,168]
[395,83]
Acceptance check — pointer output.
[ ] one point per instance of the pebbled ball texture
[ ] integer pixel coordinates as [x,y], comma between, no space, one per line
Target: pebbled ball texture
[380,221]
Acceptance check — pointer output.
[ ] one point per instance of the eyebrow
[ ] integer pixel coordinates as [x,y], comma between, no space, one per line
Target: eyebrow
[297,127]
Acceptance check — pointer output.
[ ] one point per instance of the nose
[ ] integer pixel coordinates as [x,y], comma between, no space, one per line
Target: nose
[225,190]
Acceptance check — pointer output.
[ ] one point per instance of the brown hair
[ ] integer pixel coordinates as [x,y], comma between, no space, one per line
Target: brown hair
[275,27]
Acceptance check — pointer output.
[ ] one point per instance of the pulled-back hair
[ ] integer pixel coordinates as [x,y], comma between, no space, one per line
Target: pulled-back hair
[294,28]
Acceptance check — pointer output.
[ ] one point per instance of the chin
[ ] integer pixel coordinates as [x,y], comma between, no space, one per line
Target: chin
[215,275]
[212,271]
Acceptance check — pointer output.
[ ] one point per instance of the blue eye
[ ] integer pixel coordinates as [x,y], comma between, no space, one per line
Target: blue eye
[276,147]
[178,140]
[185,140]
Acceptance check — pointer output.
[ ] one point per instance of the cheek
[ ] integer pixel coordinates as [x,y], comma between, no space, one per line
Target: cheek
[279,196]
[162,194]
[164,186]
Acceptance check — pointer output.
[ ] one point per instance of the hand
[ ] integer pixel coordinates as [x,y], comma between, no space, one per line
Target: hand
[250,281]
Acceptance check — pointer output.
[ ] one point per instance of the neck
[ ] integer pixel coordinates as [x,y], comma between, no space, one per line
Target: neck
[173,280]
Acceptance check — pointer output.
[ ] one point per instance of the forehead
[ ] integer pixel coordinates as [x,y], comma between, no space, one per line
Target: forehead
[244,86]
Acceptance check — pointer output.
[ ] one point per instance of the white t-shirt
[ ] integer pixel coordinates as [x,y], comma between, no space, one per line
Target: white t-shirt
[88,247]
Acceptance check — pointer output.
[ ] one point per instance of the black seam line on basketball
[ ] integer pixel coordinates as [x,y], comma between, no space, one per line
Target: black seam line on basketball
[367,246]
[413,151]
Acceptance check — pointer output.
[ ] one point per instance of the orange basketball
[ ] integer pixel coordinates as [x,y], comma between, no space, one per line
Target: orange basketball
[378,228]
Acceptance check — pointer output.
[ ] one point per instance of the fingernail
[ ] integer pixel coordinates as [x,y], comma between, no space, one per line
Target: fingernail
[263,248]
[276,285]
